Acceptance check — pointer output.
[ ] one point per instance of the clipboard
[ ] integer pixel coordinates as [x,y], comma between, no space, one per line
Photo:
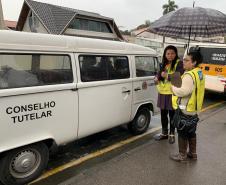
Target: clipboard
[175,79]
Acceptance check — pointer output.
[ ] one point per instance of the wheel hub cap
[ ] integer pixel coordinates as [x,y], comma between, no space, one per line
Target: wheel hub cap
[141,121]
[24,164]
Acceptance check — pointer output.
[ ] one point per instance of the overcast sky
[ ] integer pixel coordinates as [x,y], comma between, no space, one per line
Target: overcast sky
[127,14]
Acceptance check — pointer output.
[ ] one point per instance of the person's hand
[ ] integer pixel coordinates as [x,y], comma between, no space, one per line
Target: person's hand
[164,74]
[171,88]
[156,80]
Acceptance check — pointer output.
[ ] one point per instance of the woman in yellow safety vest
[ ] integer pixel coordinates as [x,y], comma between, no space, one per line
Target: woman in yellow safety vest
[170,64]
[189,99]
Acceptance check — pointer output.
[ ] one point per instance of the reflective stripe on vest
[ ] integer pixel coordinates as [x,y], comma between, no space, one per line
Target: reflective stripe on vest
[164,87]
[197,96]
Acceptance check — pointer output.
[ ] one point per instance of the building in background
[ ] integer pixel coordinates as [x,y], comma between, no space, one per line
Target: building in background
[47,18]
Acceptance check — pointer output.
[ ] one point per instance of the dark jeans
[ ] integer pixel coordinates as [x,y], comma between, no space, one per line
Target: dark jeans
[165,121]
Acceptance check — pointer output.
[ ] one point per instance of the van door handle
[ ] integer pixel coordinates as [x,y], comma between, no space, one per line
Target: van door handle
[74,89]
[137,89]
[128,91]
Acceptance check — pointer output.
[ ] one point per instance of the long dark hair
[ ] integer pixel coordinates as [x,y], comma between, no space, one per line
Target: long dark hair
[164,59]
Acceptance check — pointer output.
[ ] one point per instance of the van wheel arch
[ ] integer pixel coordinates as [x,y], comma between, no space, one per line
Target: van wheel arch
[52,145]
[149,106]
[23,164]
[142,119]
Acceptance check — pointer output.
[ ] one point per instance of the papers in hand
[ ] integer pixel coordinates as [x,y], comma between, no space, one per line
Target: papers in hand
[175,79]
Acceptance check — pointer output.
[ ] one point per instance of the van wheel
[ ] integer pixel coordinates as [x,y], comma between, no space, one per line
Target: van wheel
[141,122]
[24,164]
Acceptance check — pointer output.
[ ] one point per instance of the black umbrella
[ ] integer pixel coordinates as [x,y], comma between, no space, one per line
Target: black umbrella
[187,22]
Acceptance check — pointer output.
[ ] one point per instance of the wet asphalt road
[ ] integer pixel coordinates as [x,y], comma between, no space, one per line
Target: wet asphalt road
[143,161]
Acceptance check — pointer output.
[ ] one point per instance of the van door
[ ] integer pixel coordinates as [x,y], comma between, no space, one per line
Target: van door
[104,92]
[144,90]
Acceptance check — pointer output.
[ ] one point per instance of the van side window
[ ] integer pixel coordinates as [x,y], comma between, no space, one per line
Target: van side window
[145,66]
[25,70]
[98,68]
[120,68]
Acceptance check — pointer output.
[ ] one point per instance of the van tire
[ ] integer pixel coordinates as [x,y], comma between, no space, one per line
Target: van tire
[34,157]
[141,122]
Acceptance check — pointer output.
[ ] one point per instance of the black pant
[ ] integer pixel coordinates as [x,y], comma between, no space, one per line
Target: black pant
[187,135]
[189,131]
[164,121]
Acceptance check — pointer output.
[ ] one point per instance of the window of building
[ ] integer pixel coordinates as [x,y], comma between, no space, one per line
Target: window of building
[90,25]
[145,66]
[34,70]
[97,68]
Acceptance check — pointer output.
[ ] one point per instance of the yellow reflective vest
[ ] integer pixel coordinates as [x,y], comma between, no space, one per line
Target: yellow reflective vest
[164,87]
[196,100]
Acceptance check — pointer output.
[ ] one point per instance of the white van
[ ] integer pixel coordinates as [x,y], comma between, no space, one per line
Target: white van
[56,89]
[213,66]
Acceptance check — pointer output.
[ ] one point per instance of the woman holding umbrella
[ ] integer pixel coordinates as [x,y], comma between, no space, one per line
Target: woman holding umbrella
[170,65]
[188,101]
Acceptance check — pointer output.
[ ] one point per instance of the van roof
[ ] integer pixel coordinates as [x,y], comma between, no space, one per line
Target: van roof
[14,40]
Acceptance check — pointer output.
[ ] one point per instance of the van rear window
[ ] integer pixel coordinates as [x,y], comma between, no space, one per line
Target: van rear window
[213,55]
[25,70]
[98,68]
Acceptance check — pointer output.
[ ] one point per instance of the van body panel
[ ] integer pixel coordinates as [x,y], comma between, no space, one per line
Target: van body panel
[51,114]
[103,107]
[37,89]
[21,142]
[147,94]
